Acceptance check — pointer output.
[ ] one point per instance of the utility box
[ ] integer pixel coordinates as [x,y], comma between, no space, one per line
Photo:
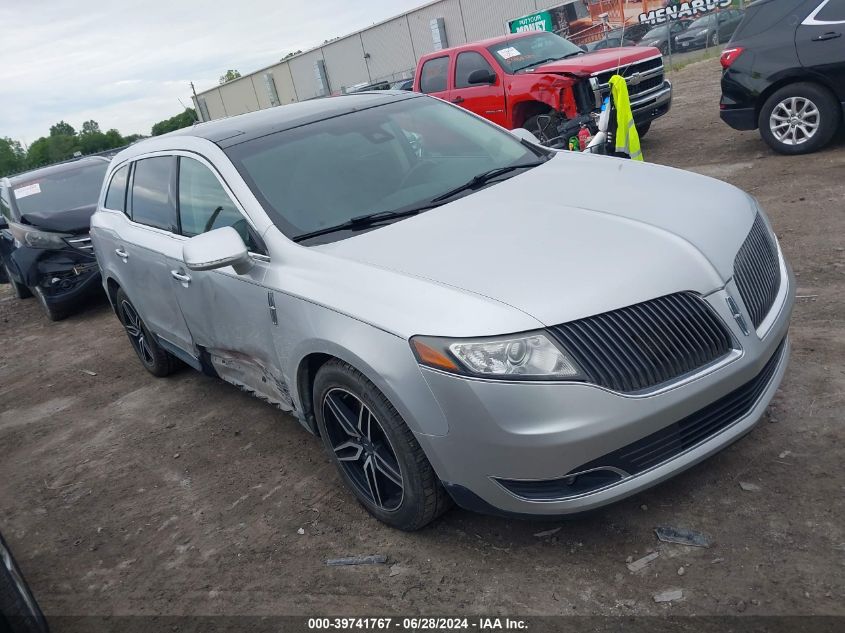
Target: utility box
[321,77]
[202,106]
[270,87]
[438,34]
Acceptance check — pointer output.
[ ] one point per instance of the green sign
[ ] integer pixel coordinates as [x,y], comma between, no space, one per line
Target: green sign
[541,21]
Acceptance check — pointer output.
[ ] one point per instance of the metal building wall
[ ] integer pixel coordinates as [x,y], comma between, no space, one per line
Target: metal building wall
[302,71]
[487,18]
[284,82]
[390,48]
[239,96]
[419,22]
[345,63]
[260,89]
[214,101]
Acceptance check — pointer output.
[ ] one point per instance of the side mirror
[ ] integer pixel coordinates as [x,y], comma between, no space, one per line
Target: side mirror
[525,135]
[217,249]
[481,76]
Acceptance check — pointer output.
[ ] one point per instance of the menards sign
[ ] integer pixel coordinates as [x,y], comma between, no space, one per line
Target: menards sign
[682,10]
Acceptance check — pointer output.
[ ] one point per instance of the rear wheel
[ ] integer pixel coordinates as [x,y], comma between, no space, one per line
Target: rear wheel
[53,313]
[21,291]
[799,118]
[154,359]
[377,455]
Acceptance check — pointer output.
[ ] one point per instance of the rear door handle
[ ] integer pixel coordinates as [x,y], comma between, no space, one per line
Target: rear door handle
[830,35]
[458,100]
[185,279]
[121,253]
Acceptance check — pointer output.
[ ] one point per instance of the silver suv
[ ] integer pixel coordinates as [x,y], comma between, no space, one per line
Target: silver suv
[458,313]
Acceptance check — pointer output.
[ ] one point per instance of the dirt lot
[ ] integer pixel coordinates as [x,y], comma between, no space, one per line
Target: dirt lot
[125,494]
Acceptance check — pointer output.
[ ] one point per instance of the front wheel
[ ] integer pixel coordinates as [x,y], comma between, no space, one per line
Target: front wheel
[799,118]
[21,291]
[53,313]
[543,126]
[377,455]
[154,359]
[714,39]
[643,128]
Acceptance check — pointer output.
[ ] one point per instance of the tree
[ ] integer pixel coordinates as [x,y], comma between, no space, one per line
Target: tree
[229,76]
[12,156]
[62,129]
[90,127]
[185,119]
[297,52]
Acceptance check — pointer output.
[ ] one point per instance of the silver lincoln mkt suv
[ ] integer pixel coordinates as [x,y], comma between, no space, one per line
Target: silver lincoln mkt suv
[459,314]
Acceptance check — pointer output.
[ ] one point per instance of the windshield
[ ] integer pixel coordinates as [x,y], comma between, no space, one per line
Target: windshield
[383,159]
[61,191]
[658,32]
[524,52]
[702,22]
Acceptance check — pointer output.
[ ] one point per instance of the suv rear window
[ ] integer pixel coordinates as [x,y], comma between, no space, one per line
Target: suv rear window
[153,203]
[433,75]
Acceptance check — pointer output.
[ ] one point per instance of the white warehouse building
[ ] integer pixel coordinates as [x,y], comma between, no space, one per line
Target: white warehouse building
[385,51]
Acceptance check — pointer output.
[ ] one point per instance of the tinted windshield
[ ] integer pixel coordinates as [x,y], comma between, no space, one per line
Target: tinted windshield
[656,33]
[61,191]
[524,52]
[394,156]
[702,22]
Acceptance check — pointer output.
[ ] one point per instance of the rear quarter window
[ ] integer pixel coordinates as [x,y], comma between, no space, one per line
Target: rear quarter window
[116,195]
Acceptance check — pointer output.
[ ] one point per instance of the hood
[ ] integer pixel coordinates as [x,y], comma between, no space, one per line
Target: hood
[692,33]
[590,63]
[76,220]
[577,236]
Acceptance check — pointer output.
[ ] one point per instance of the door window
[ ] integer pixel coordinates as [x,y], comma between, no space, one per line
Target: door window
[831,12]
[116,195]
[204,204]
[152,201]
[466,64]
[433,75]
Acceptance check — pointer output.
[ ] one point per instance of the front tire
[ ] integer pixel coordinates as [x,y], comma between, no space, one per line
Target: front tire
[154,359]
[643,128]
[375,452]
[799,119]
[53,313]
[21,291]
[543,126]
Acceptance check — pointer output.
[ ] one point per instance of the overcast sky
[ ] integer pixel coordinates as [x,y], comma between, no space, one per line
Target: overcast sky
[127,64]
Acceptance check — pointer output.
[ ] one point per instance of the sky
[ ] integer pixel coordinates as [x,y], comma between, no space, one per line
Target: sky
[128,64]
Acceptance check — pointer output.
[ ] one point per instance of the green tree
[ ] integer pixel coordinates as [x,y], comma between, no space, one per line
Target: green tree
[90,127]
[62,129]
[12,156]
[185,119]
[229,76]
[113,139]
[297,52]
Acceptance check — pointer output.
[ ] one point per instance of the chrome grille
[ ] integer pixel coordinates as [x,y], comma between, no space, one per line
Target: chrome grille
[757,271]
[642,77]
[647,344]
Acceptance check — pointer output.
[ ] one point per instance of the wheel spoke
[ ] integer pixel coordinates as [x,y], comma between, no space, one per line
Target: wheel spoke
[145,348]
[344,416]
[372,480]
[387,468]
[365,422]
[349,451]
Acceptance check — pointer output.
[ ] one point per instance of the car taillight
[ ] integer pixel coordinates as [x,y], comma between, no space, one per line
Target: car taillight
[730,55]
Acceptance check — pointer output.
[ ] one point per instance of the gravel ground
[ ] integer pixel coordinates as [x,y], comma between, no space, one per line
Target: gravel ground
[125,494]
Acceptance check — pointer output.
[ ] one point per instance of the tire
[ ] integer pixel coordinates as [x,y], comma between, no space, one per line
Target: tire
[154,359]
[813,105]
[664,49]
[53,313]
[714,39]
[643,128]
[548,131]
[19,612]
[21,291]
[407,493]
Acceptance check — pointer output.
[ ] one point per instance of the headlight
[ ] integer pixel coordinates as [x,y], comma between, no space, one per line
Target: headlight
[33,238]
[521,356]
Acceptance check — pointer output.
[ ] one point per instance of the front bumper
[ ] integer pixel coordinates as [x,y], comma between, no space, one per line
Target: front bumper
[652,105]
[538,432]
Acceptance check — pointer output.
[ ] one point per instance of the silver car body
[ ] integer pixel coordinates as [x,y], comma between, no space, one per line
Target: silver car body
[625,233]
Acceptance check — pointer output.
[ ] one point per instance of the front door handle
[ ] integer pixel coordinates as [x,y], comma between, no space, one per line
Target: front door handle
[121,253]
[458,100]
[830,35]
[185,279]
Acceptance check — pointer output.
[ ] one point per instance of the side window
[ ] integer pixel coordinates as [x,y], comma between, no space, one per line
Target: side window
[433,75]
[116,195]
[152,202]
[466,64]
[5,210]
[204,205]
[833,11]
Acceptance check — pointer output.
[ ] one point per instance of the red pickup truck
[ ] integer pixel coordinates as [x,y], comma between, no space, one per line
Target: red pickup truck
[543,82]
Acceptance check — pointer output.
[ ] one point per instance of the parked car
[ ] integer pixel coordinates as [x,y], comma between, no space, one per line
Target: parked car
[710,30]
[44,245]
[403,84]
[412,283]
[613,39]
[19,612]
[543,82]
[664,36]
[784,74]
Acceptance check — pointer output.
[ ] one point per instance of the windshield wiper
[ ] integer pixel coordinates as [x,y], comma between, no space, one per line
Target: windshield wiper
[361,221]
[542,61]
[483,178]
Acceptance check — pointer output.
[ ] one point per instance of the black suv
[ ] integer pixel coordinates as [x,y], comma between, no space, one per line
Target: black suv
[784,73]
[44,221]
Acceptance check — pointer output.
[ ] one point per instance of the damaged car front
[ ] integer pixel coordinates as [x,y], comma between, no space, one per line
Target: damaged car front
[45,249]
